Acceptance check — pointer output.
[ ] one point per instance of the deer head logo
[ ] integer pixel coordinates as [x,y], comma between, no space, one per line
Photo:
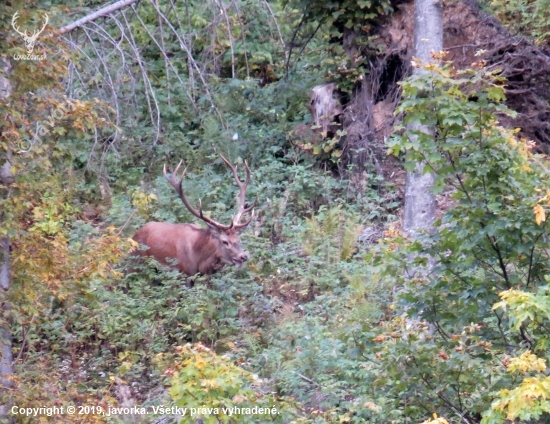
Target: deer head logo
[29,39]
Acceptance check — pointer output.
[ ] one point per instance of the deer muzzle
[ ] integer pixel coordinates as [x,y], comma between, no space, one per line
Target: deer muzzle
[241,259]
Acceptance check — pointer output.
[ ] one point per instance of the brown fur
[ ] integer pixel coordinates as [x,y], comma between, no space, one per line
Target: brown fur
[196,249]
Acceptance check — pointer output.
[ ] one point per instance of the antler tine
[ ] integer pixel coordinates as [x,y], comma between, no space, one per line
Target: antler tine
[172,180]
[233,169]
[245,224]
[248,173]
[236,175]
[178,168]
[241,197]
[178,185]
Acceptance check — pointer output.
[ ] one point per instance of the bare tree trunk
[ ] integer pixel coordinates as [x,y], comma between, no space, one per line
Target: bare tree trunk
[6,353]
[324,107]
[419,200]
[6,363]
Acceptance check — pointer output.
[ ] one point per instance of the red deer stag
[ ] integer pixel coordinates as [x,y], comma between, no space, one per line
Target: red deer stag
[197,249]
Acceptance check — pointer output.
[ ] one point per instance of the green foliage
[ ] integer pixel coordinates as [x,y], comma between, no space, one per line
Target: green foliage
[528,17]
[214,389]
[487,243]
[529,400]
[330,324]
[88,322]
[495,184]
[337,20]
[313,355]
[331,234]
[526,308]
[55,255]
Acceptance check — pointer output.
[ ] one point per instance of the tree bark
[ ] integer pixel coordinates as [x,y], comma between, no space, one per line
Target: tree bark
[419,212]
[324,107]
[6,352]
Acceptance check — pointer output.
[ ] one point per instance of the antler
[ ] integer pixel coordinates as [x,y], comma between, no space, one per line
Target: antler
[242,208]
[178,186]
[241,197]
[14,25]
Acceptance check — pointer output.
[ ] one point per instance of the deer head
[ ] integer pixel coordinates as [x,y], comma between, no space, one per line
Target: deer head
[229,245]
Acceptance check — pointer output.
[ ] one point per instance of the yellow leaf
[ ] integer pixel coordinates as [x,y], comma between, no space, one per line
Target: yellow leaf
[527,362]
[208,383]
[436,420]
[540,215]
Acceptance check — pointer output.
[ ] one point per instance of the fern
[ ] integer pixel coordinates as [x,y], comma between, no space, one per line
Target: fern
[331,234]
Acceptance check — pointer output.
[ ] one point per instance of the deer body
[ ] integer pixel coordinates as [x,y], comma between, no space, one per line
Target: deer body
[195,249]
[202,250]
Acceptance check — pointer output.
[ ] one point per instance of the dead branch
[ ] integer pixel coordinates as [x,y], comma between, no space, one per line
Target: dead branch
[104,11]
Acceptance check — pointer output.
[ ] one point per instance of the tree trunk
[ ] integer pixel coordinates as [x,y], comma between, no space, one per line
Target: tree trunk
[419,200]
[6,353]
[324,107]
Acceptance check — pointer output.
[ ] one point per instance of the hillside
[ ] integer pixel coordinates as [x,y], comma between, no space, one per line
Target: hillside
[273,282]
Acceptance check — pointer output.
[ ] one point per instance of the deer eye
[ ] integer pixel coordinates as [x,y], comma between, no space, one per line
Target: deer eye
[225,243]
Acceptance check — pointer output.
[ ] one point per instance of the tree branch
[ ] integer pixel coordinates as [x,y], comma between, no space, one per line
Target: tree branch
[104,11]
